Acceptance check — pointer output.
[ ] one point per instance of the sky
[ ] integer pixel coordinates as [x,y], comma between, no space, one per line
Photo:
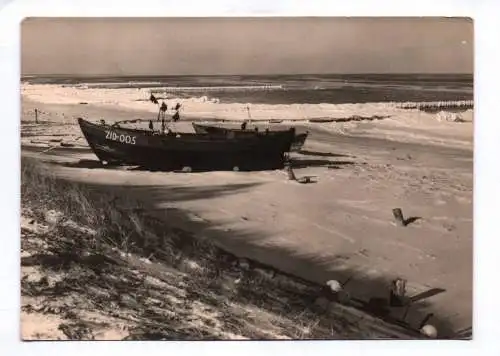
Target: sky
[211,46]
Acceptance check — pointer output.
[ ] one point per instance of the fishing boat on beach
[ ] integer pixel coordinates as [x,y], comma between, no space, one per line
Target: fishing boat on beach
[169,150]
[298,141]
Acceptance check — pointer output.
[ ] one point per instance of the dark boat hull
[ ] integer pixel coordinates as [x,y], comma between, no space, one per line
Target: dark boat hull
[296,145]
[116,145]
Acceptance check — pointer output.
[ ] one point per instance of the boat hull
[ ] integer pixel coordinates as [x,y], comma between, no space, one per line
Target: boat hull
[297,141]
[116,145]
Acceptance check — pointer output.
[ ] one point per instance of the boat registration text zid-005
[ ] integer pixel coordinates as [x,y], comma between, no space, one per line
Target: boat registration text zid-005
[110,135]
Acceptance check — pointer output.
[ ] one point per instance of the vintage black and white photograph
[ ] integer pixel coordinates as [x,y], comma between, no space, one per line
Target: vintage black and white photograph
[246,178]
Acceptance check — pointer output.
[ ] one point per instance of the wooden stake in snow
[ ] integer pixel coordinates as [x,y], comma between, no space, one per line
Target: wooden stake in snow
[398,215]
[36,116]
[398,293]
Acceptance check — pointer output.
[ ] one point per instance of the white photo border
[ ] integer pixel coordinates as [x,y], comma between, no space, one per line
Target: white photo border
[486,167]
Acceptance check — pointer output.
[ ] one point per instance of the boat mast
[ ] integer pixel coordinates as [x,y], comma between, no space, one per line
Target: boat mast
[249,114]
[163,109]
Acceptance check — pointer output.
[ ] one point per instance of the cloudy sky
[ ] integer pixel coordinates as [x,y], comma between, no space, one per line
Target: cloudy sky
[169,46]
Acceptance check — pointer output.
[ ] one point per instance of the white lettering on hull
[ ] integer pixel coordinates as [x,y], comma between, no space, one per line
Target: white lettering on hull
[113,136]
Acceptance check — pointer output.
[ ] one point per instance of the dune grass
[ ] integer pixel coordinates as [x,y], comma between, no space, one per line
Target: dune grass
[98,267]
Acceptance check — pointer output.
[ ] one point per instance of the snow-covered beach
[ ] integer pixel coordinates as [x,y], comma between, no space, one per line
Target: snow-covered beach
[408,158]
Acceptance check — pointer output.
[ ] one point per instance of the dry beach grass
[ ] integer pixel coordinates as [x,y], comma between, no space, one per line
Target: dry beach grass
[96,266]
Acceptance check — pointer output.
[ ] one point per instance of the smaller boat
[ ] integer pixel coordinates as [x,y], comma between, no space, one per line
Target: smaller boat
[297,143]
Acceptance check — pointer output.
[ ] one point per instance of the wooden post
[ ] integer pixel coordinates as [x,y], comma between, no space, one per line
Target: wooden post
[398,215]
[36,116]
[397,293]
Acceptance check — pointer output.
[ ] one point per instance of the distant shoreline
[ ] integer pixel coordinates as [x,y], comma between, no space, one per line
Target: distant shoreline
[286,89]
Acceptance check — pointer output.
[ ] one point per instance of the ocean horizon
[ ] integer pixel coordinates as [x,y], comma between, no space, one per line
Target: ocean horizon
[285,88]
